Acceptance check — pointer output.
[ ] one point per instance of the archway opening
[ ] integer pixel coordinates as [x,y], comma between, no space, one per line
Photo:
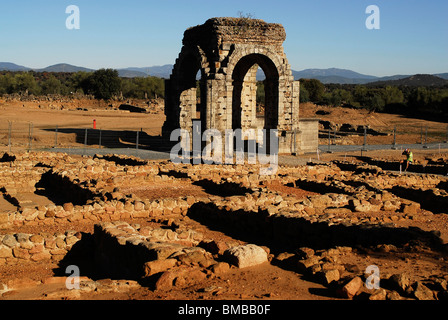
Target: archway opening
[255,104]
[260,96]
[192,92]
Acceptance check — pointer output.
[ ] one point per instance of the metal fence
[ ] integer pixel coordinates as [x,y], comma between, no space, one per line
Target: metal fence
[417,137]
[20,136]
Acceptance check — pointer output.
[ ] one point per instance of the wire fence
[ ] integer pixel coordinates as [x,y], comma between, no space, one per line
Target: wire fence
[396,137]
[19,136]
[148,142]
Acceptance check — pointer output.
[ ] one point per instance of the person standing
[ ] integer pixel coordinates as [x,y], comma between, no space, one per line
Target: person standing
[409,158]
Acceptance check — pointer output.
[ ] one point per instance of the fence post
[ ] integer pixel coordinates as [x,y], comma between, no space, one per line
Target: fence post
[421,135]
[394,146]
[426,137]
[365,139]
[30,136]
[136,141]
[295,146]
[56,137]
[85,142]
[9,134]
[99,143]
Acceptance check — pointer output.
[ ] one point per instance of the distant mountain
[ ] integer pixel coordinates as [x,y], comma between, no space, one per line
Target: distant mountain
[63,67]
[442,75]
[336,79]
[8,66]
[333,72]
[341,76]
[336,75]
[155,71]
[127,73]
[161,71]
[395,77]
[144,70]
[418,80]
[330,75]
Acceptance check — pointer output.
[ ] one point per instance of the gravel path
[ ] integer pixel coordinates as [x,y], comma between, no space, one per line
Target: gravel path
[348,148]
[288,160]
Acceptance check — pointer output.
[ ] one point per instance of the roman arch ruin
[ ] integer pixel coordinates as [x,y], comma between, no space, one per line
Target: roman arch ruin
[224,54]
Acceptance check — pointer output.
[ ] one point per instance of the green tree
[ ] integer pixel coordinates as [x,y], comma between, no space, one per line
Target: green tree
[375,102]
[143,88]
[78,81]
[260,93]
[315,89]
[360,95]
[25,82]
[103,84]
[304,95]
[392,95]
[52,86]
[7,83]
[338,97]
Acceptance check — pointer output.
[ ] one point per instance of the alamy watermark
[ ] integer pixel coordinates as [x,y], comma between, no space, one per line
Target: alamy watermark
[373,280]
[229,149]
[373,20]
[72,281]
[74,19]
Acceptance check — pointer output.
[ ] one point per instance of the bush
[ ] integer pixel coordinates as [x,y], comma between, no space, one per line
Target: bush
[103,84]
[315,89]
[143,88]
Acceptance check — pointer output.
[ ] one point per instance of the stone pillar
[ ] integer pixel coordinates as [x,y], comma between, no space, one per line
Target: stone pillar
[249,99]
[187,108]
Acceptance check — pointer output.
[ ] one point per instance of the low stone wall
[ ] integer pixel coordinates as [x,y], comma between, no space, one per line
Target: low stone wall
[394,166]
[36,247]
[99,211]
[19,177]
[121,250]
[389,180]
[434,200]
[289,229]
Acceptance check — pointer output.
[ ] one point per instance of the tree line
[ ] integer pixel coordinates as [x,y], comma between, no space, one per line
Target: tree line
[102,84]
[429,102]
[425,102]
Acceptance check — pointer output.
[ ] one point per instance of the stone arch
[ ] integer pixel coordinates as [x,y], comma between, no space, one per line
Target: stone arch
[243,77]
[274,57]
[181,101]
[226,50]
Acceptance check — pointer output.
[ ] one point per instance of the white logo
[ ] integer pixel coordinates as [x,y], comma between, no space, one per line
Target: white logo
[373,281]
[190,147]
[72,281]
[373,21]
[72,21]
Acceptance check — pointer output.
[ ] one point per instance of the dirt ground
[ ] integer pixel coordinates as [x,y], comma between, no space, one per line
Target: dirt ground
[36,280]
[42,117]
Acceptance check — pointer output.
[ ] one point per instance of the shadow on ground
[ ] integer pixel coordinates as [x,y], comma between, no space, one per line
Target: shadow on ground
[118,139]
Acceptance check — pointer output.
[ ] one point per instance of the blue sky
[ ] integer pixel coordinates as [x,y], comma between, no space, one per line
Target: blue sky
[413,35]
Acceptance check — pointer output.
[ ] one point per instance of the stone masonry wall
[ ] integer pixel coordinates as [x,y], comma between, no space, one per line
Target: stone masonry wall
[36,247]
[340,192]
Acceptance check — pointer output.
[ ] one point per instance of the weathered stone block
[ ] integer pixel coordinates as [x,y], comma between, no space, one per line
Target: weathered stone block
[246,255]
[156,266]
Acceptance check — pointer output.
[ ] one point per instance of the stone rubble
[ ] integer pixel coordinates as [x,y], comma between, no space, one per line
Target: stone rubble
[345,196]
